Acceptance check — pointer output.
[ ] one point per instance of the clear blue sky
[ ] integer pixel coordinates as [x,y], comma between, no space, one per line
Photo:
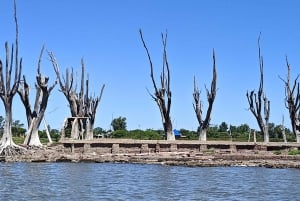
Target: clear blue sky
[105,34]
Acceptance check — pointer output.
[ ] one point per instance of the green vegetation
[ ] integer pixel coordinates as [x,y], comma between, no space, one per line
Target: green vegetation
[119,123]
[18,140]
[138,134]
[54,134]
[294,152]
[222,132]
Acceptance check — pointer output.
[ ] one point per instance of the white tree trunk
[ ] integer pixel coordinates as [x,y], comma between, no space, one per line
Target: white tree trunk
[170,135]
[28,134]
[297,130]
[297,136]
[202,136]
[7,145]
[8,89]
[7,137]
[254,136]
[35,139]
[283,133]
[32,138]
[89,131]
[266,134]
[7,134]
[284,136]
[75,130]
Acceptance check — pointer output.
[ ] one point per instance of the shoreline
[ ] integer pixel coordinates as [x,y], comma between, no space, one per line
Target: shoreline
[247,158]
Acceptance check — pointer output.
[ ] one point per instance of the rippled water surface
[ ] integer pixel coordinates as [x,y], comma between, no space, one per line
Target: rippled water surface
[107,181]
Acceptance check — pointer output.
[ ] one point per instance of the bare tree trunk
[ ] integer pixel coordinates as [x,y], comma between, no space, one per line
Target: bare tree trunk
[292,101]
[266,115]
[28,134]
[298,137]
[7,135]
[168,130]
[89,131]
[198,105]
[7,145]
[8,90]
[91,104]
[162,96]
[75,133]
[266,135]
[202,135]
[33,135]
[81,105]
[297,125]
[284,136]
[35,116]
[259,100]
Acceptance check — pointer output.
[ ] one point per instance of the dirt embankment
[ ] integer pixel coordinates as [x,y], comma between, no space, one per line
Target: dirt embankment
[192,159]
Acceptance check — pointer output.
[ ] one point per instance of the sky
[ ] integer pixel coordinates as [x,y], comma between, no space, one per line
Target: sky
[105,33]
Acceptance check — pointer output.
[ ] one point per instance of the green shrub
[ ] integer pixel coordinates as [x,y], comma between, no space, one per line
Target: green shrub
[137,134]
[151,135]
[120,134]
[18,140]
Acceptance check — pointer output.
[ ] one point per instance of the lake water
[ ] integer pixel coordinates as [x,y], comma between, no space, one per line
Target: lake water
[108,181]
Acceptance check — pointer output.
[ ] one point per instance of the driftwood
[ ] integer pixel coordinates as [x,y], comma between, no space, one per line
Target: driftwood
[198,104]
[162,96]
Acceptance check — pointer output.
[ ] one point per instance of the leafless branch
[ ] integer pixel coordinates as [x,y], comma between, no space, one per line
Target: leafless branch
[160,94]
[256,100]
[211,94]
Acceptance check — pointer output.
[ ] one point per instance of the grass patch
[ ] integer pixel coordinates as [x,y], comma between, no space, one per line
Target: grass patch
[294,152]
[18,140]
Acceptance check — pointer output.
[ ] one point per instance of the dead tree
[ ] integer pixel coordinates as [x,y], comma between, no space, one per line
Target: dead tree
[91,104]
[198,104]
[162,96]
[292,101]
[80,103]
[259,101]
[8,89]
[35,115]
